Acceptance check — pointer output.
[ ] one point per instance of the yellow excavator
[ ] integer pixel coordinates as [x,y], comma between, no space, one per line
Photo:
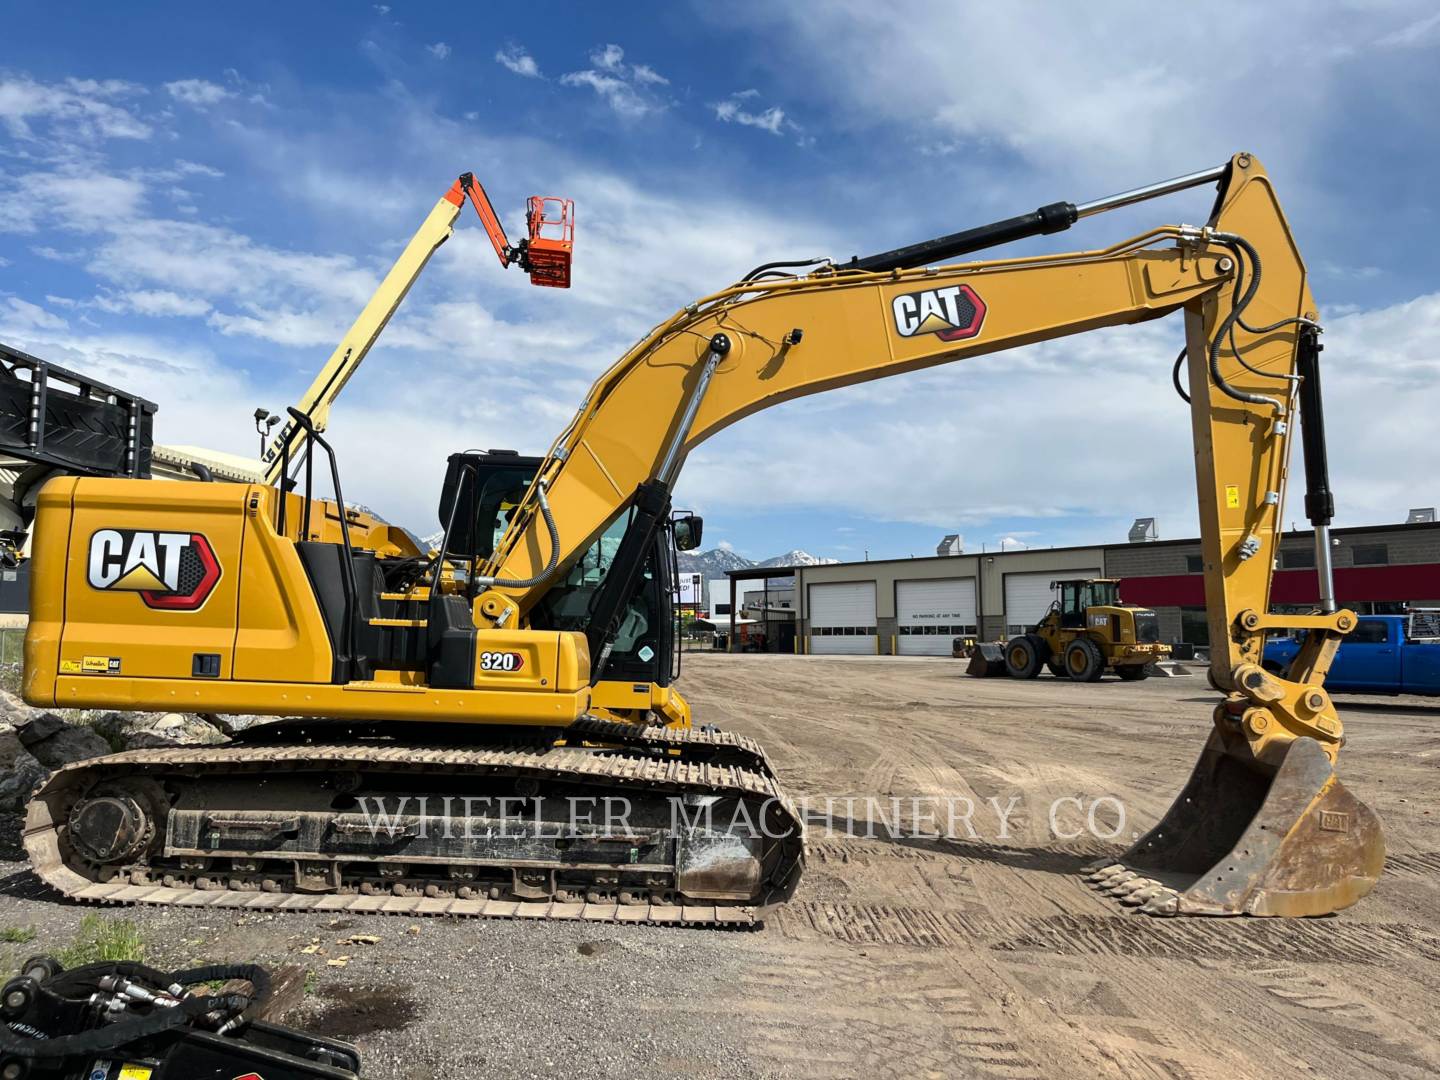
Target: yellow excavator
[494,730]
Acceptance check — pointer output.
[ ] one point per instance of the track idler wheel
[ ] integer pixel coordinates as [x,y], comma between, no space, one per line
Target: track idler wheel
[1246,838]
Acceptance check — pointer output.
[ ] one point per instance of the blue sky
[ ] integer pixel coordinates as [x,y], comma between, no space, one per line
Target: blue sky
[196,202]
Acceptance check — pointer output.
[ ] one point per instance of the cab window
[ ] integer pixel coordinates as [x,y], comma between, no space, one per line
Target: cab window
[1371,632]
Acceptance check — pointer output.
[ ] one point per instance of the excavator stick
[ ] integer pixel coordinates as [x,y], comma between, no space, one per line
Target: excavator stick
[1245,838]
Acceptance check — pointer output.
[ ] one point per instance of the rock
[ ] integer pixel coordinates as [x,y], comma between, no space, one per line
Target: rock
[14,711]
[145,731]
[17,782]
[20,780]
[232,723]
[54,743]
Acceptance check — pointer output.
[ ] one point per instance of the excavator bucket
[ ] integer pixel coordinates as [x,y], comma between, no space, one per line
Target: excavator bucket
[987,659]
[1248,839]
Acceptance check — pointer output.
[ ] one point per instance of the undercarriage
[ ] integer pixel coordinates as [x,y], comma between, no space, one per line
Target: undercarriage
[654,825]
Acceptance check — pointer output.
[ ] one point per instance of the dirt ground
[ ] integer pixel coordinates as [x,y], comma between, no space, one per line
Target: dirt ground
[905,957]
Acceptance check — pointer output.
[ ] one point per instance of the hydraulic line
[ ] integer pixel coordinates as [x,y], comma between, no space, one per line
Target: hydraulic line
[1175,377]
[531,582]
[1227,324]
[782,264]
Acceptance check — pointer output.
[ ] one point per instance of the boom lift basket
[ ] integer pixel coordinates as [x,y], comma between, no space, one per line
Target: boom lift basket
[552,240]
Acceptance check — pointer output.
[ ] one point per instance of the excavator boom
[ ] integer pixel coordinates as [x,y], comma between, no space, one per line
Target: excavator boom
[543,622]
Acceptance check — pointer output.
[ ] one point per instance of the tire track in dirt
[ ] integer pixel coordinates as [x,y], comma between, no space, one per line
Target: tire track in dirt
[1228,940]
[1113,1013]
[1339,1015]
[886,1015]
[1424,865]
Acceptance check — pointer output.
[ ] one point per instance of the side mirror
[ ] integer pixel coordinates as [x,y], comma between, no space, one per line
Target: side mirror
[688,531]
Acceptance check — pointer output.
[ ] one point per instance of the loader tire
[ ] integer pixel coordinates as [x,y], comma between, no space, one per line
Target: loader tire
[1084,662]
[1133,672]
[1023,656]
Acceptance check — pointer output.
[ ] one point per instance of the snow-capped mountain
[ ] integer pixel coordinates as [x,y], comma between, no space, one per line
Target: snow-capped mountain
[797,557]
[716,562]
[713,563]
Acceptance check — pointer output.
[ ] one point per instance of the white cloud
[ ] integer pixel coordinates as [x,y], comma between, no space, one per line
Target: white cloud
[77,108]
[610,57]
[23,315]
[71,201]
[1101,101]
[733,110]
[627,89]
[154,302]
[197,93]
[439,50]
[1414,35]
[516,59]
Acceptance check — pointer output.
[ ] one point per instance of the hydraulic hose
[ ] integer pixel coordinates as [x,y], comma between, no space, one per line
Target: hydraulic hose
[783,264]
[1175,377]
[255,975]
[1227,325]
[113,1036]
[531,582]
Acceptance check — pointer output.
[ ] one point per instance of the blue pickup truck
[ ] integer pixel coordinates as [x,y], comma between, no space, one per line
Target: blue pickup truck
[1380,656]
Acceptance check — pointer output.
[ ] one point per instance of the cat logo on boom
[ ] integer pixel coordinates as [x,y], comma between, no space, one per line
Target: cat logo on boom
[171,571]
[951,314]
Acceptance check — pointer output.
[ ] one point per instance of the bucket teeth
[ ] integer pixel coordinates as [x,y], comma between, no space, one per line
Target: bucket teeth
[1118,885]
[1142,896]
[1166,902]
[1130,888]
[1133,889]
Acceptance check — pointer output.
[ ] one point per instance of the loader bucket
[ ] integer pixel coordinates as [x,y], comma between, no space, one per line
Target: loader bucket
[986,659]
[1244,838]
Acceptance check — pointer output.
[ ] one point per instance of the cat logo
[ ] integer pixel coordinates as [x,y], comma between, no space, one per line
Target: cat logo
[171,571]
[951,314]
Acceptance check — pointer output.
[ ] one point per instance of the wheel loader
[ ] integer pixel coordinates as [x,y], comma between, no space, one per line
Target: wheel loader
[1086,632]
[455,727]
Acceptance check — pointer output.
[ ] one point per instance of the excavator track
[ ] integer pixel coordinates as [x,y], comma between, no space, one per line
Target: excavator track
[180,819]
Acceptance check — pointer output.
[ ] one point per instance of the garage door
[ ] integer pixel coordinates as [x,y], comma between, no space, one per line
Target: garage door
[1028,596]
[930,613]
[842,618]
